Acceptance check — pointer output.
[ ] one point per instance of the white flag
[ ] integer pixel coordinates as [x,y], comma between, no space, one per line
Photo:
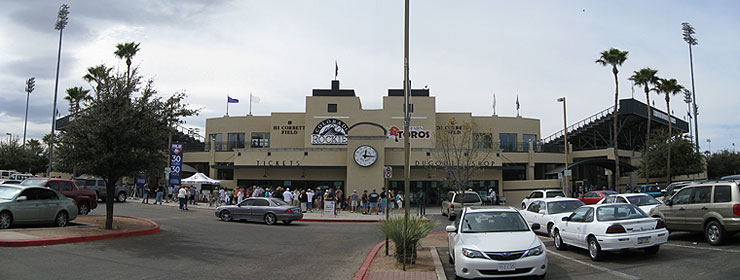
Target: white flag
[255,99]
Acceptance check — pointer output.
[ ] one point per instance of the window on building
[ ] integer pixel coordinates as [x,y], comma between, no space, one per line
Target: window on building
[219,139]
[260,140]
[411,108]
[331,108]
[236,141]
[529,138]
[483,140]
[225,174]
[508,141]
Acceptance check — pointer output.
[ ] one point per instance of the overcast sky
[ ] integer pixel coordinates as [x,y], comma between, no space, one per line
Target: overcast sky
[465,51]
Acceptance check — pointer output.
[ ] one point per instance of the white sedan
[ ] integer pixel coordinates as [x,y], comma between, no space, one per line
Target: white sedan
[642,200]
[541,194]
[545,211]
[495,242]
[609,227]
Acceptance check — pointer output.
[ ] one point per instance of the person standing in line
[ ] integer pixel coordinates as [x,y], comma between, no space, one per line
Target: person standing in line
[222,195]
[303,198]
[159,193]
[363,202]
[399,200]
[340,199]
[354,200]
[145,197]
[287,196]
[170,189]
[182,195]
[392,198]
[383,200]
[309,200]
[373,199]
[239,197]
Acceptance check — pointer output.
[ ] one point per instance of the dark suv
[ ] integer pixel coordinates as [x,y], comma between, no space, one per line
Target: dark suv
[86,200]
[710,207]
[98,186]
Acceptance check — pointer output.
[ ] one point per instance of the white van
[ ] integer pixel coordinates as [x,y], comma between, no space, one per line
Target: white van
[5,174]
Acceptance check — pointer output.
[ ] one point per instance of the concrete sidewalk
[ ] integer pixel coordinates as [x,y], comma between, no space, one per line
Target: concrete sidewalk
[316,215]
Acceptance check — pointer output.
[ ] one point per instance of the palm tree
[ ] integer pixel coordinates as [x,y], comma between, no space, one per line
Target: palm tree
[97,75]
[614,57]
[669,87]
[646,77]
[127,51]
[75,96]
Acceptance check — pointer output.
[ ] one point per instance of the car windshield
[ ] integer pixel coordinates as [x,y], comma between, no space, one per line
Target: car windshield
[493,222]
[278,202]
[33,182]
[8,192]
[619,212]
[557,207]
[641,200]
[555,194]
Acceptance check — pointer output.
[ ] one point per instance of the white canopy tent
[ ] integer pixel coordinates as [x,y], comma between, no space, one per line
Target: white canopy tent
[199,178]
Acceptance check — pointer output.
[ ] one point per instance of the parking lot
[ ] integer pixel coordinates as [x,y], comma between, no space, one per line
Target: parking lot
[685,256]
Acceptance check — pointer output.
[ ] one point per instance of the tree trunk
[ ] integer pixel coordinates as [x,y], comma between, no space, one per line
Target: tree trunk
[647,140]
[110,189]
[670,136]
[615,137]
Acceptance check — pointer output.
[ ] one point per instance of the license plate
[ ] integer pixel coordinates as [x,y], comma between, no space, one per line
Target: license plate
[643,240]
[506,267]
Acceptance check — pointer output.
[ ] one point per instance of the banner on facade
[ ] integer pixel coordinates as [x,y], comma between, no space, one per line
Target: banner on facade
[175,163]
[330,132]
[329,207]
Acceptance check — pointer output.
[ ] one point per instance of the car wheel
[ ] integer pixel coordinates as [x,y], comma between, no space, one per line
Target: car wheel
[450,259]
[225,216]
[549,229]
[270,219]
[84,208]
[6,219]
[559,244]
[541,276]
[524,206]
[62,219]
[443,211]
[652,250]
[122,197]
[715,233]
[594,250]
[450,217]
[287,222]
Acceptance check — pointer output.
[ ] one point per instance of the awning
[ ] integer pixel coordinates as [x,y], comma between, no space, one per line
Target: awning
[601,162]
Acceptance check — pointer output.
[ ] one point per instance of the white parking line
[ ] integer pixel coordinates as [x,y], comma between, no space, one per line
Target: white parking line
[604,269]
[703,248]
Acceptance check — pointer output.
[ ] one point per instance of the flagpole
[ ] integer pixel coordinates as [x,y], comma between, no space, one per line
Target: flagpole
[250,103]
[227,104]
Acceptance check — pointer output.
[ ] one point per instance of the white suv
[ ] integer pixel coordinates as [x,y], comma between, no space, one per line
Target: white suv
[495,241]
[456,201]
[541,194]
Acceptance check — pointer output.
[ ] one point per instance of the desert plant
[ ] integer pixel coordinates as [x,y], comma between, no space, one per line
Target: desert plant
[418,228]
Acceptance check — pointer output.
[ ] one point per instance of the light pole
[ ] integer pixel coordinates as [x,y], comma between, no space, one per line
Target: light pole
[61,23]
[30,84]
[688,36]
[406,133]
[566,185]
[10,136]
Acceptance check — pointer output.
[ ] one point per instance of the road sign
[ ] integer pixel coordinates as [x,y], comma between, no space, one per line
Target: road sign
[388,172]
[569,173]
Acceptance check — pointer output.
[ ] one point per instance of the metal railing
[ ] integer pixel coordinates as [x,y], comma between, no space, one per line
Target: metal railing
[580,124]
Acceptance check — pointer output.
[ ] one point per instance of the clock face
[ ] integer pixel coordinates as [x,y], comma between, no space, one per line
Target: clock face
[365,155]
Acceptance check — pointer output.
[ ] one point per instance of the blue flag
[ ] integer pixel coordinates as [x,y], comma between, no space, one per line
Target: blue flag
[232,100]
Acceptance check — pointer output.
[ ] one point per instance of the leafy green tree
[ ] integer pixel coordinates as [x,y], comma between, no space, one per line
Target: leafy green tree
[614,57]
[122,132]
[686,160]
[14,157]
[76,96]
[97,75]
[669,87]
[723,163]
[646,77]
[127,51]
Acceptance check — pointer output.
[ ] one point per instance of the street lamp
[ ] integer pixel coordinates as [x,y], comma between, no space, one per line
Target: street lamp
[30,84]
[566,185]
[61,23]
[688,36]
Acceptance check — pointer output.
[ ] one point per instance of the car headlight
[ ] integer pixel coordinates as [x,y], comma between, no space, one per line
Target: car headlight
[472,253]
[536,251]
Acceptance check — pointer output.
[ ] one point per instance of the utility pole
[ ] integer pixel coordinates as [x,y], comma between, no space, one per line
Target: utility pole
[566,184]
[406,133]
[61,23]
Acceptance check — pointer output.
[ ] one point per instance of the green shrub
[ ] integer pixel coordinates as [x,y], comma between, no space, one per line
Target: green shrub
[417,229]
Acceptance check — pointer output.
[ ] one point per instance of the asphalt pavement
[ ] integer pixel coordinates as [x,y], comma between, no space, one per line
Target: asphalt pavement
[685,256]
[196,245]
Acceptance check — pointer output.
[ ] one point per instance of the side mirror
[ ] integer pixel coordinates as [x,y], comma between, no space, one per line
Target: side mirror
[669,202]
[542,212]
[450,228]
[536,226]
[565,219]
[21,198]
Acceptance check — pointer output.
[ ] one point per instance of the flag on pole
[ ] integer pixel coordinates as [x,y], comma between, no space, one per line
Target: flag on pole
[336,69]
[255,99]
[494,103]
[232,100]
[517,102]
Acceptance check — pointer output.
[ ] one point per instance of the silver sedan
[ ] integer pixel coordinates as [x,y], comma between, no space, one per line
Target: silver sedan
[28,204]
[267,209]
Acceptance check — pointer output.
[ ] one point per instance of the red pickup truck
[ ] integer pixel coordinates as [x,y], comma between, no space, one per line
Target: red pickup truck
[85,200]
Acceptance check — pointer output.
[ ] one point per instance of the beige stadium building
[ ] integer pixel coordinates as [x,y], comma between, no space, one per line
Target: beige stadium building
[336,143]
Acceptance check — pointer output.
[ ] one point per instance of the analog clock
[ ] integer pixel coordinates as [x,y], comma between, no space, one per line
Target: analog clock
[365,155]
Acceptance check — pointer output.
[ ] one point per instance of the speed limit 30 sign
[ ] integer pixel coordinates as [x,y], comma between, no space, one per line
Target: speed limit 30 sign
[388,172]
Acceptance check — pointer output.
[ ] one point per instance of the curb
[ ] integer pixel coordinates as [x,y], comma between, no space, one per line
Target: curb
[438,268]
[363,272]
[338,221]
[75,239]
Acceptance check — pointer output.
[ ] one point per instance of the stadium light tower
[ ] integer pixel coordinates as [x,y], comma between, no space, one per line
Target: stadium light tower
[61,23]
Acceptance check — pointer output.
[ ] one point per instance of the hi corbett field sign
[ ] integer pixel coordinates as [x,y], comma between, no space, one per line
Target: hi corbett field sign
[330,132]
